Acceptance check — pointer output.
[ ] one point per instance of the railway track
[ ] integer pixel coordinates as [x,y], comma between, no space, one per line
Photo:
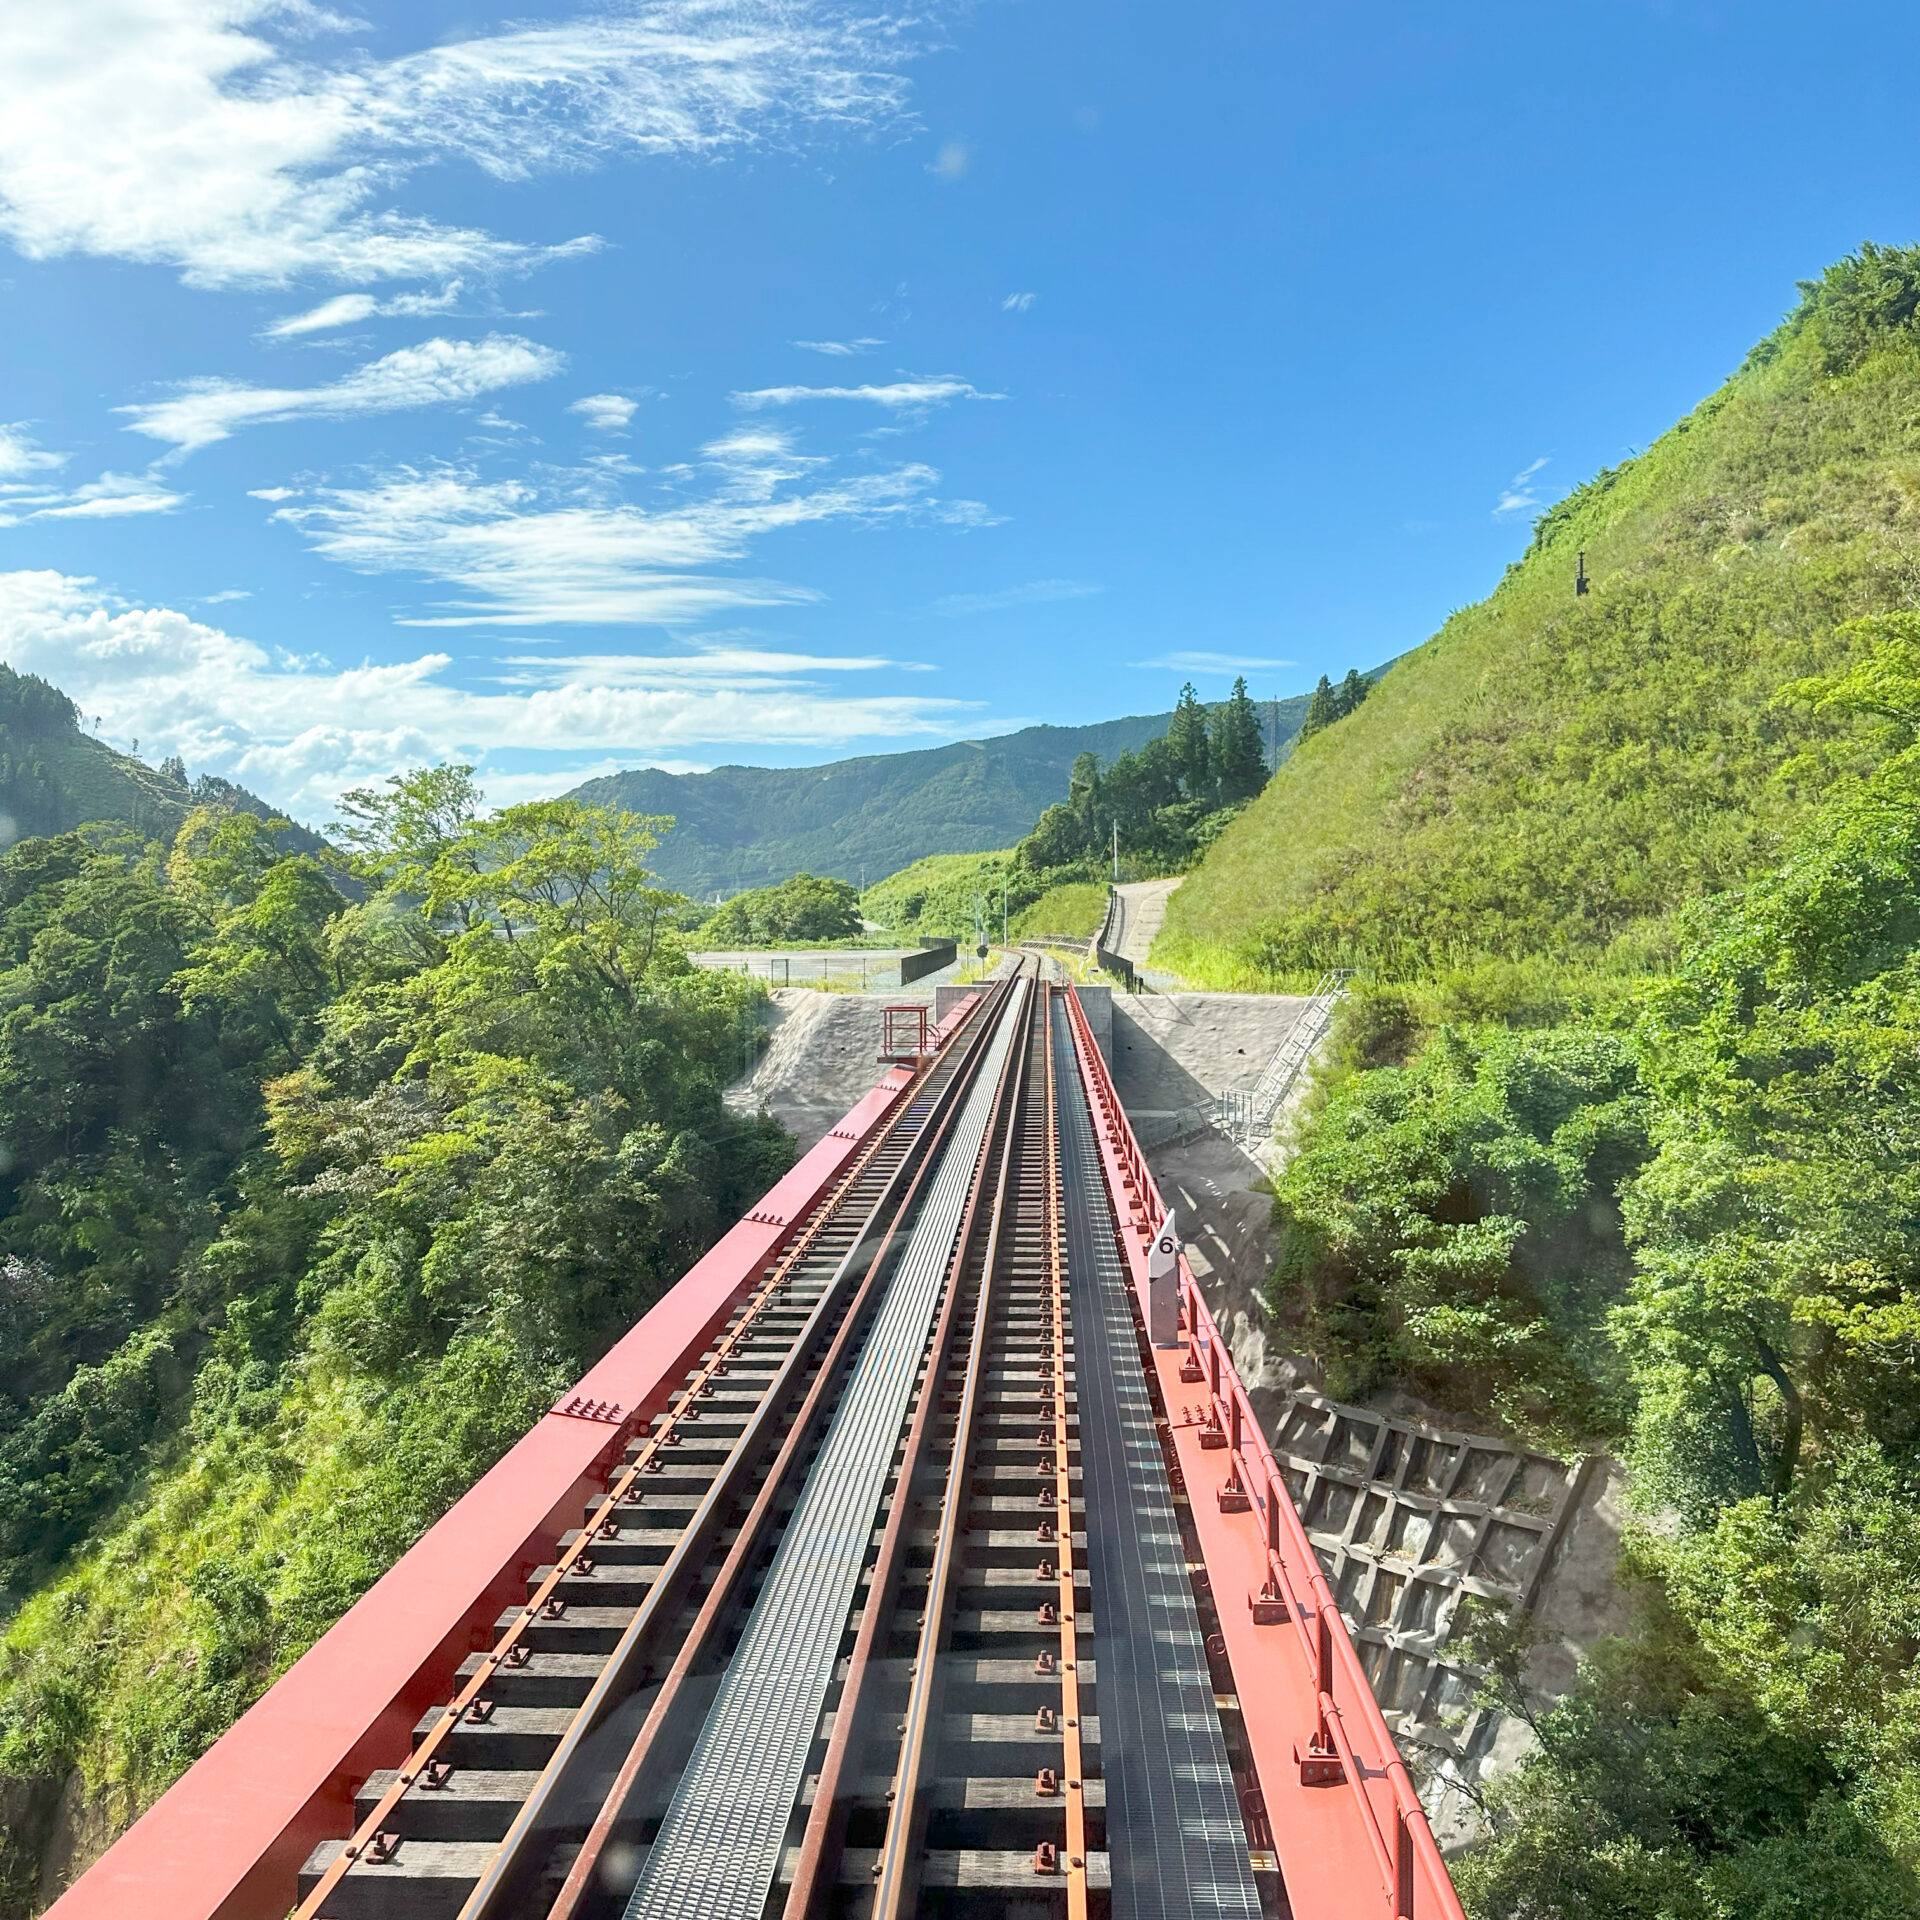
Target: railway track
[860,1627]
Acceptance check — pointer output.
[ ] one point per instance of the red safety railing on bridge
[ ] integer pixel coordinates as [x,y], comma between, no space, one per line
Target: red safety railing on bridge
[1351,1836]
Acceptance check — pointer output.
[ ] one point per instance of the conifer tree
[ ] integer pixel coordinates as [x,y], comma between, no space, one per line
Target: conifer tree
[1239,752]
[1187,743]
[1322,710]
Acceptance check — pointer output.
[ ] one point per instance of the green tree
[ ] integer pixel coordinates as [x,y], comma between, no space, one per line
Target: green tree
[1322,710]
[1237,750]
[416,836]
[1189,751]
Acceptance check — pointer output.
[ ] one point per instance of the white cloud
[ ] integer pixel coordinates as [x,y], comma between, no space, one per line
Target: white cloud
[840,348]
[952,160]
[301,731]
[1032,593]
[1520,495]
[911,395]
[1018,302]
[605,412]
[1220,663]
[349,309]
[112,496]
[436,372]
[20,454]
[193,134]
[571,551]
[343,310]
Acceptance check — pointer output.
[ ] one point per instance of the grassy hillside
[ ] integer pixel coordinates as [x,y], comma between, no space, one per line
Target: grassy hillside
[740,827]
[1618,1148]
[1551,773]
[933,898]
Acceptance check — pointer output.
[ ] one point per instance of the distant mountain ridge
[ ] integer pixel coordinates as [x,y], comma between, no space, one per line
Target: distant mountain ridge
[862,819]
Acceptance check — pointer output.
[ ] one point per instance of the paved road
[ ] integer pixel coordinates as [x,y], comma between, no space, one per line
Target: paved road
[1143,909]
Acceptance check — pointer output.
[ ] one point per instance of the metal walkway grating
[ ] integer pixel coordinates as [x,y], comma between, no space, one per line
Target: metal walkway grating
[720,1844]
[1174,1830]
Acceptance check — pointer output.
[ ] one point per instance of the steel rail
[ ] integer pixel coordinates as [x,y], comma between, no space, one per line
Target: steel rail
[820,1847]
[719,1847]
[424,1751]
[580,1878]
[1073,1761]
[502,1881]
[1325,1644]
[897,1886]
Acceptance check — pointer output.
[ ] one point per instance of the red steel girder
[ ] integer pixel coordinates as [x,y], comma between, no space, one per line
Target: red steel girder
[1351,1835]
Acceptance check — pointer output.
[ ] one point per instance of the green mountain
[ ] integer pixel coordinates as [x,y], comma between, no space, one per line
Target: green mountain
[1556,770]
[54,777]
[857,820]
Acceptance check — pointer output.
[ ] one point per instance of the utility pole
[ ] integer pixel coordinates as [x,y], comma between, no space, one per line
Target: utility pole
[1580,574]
[1116,853]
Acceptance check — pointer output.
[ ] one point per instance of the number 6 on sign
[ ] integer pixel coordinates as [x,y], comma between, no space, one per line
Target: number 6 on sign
[1163,1286]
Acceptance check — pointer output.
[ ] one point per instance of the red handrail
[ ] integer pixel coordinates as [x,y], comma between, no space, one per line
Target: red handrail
[1408,1858]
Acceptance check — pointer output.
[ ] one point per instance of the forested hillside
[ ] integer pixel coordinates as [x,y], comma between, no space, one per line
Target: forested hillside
[54,777]
[309,1207]
[1620,1149]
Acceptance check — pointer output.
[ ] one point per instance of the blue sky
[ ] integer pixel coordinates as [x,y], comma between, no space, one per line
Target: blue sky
[562,387]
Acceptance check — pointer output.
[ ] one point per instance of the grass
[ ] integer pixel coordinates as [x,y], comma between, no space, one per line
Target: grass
[934,898]
[1071,911]
[1551,774]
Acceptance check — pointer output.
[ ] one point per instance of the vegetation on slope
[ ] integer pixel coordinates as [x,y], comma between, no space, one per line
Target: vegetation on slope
[54,778]
[1159,805]
[934,898]
[1072,910]
[805,910]
[311,1206]
[1554,774]
[1652,1183]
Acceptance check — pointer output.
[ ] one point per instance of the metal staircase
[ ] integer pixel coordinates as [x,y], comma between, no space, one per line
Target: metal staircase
[1248,1117]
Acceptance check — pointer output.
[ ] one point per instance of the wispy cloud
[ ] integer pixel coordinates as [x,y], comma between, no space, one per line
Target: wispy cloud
[912,395]
[112,496]
[605,412]
[840,348]
[21,454]
[1018,302]
[349,309]
[1521,495]
[1210,663]
[435,373]
[216,137]
[953,159]
[569,550]
[1033,593]
[301,730]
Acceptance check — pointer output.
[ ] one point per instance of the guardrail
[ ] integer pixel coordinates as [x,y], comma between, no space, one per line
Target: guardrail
[1346,1743]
